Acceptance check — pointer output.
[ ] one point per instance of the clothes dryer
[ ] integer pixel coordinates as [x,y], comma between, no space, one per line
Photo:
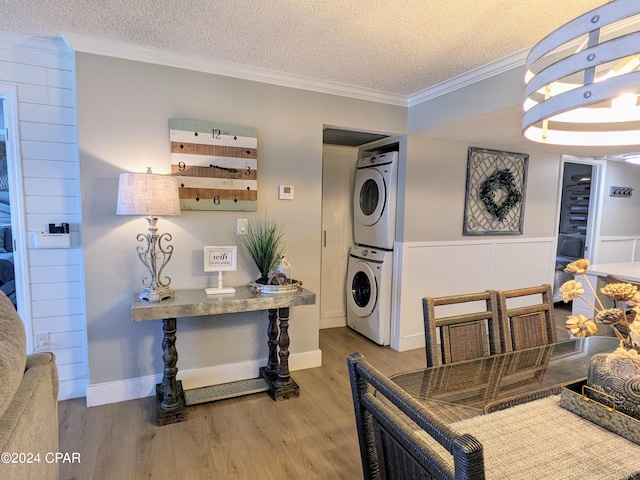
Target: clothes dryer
[369,276]
[374,201]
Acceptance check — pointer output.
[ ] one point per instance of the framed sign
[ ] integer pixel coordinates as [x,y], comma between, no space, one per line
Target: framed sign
[216,165]
[494,197]
[220,259]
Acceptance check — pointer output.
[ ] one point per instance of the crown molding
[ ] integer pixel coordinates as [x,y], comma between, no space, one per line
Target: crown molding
[35,44]
[484,72]
[515,60]
[98,46]
[127,51]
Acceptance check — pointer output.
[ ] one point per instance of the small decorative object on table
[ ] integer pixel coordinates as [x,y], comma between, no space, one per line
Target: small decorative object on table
[613,377]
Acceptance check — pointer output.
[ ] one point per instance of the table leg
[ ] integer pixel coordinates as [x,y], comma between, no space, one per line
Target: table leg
[272,363]
[276,373]
[283,342]
[171,404]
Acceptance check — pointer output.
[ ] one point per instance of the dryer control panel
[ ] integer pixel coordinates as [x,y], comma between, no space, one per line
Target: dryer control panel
[369,254]
[380,159]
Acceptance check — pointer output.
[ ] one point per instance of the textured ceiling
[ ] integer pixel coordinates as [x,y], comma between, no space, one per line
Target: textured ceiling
[394,46]
[399,47]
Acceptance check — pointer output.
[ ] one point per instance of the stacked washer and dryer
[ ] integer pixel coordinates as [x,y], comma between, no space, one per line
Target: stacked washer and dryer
[369,273]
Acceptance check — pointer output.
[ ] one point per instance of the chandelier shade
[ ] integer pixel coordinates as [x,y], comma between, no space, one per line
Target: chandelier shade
[583,80]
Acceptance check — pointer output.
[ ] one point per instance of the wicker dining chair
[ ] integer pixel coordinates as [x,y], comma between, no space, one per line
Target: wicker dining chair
[530,325]
[463,336]
[399,438]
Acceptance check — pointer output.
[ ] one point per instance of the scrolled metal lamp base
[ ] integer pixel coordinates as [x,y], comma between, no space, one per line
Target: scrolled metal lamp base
[150,255]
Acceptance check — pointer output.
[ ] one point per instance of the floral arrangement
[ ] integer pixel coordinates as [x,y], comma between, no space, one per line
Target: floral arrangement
[625,360]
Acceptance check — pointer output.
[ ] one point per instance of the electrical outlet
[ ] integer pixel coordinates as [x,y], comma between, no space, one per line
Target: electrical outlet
[41,340]
[241,226]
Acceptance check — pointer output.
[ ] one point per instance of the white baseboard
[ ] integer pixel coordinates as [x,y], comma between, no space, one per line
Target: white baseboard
[76,388]
[408,342]
[333,322]
[140,387]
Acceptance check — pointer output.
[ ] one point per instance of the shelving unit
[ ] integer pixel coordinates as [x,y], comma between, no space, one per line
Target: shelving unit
[578,206]
[575,205]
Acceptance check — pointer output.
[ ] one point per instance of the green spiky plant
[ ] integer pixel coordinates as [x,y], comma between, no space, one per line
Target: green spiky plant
[263,242]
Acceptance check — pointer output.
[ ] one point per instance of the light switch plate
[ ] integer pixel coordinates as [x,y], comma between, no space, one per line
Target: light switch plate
[241,226]
[285,192]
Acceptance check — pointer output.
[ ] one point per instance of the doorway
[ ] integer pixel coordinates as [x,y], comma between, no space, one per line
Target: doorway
[339,158]
[577,217]
[14,278]
[7,271]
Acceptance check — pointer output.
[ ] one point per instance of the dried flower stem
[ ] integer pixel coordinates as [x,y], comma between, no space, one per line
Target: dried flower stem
[594,293]
[622,339]
[590,304]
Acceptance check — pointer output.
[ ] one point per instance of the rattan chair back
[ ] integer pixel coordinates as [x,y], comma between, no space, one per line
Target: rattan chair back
[399,438]
[461,336]
[529,324]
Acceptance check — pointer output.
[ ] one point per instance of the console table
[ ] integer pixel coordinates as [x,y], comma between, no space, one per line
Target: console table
[274,377]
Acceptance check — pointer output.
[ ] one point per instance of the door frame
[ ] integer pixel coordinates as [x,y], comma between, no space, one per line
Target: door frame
[9,93]
[595,201]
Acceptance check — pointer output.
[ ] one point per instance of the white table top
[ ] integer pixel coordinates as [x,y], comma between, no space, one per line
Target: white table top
[629,271]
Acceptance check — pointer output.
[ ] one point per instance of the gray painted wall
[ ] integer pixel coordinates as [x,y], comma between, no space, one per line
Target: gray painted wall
[621,215]
[435,191]
[123,113]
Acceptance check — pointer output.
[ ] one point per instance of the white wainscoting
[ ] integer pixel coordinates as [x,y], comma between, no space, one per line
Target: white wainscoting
[607,250]
[446,268]
[617,250]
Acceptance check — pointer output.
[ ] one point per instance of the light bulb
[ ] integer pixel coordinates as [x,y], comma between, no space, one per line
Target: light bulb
[624,101]
[633,158]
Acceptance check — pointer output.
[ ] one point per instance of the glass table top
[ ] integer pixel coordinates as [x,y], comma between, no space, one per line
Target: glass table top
[466,389]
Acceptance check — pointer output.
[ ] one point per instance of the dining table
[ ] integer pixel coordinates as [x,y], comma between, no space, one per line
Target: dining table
[512,404]
[460,390]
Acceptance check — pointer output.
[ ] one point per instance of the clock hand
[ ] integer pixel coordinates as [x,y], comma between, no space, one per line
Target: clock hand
[230,170]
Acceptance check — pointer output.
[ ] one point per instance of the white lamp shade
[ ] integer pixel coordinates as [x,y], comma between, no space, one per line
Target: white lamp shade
[148,195]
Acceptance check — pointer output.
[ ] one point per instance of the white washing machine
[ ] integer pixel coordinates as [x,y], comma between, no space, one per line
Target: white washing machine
[374,200]
[369,292]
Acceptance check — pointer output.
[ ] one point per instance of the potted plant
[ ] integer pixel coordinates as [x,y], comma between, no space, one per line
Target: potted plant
[263,242]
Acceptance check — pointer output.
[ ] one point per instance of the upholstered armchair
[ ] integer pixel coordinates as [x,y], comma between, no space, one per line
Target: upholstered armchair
[28,403]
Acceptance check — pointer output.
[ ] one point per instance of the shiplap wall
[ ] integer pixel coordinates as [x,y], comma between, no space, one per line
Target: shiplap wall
[43,73]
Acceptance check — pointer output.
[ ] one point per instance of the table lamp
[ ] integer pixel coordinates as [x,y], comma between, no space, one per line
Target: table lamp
[152,196]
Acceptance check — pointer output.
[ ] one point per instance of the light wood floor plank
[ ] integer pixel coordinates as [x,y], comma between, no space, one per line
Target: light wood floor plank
[252,437]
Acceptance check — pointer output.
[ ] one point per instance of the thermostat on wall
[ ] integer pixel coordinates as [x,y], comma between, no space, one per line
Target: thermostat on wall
[285,192]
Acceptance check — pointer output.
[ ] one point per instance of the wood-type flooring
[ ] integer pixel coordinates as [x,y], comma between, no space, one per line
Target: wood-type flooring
[251,437]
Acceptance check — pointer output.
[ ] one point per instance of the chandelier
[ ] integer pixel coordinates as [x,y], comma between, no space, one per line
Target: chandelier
[583,80]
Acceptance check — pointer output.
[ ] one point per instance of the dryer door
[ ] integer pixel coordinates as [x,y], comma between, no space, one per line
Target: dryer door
[370,196]
[364,289]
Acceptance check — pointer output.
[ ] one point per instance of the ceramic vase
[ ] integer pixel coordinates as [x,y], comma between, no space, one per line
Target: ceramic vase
[612,390]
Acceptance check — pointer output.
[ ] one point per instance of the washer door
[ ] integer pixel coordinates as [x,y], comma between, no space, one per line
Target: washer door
[363,290]
[370,196]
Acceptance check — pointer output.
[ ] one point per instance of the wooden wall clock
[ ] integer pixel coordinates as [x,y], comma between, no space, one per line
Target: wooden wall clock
[216,165]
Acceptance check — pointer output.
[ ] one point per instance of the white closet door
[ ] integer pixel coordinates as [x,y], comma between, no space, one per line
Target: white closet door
[338,168]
